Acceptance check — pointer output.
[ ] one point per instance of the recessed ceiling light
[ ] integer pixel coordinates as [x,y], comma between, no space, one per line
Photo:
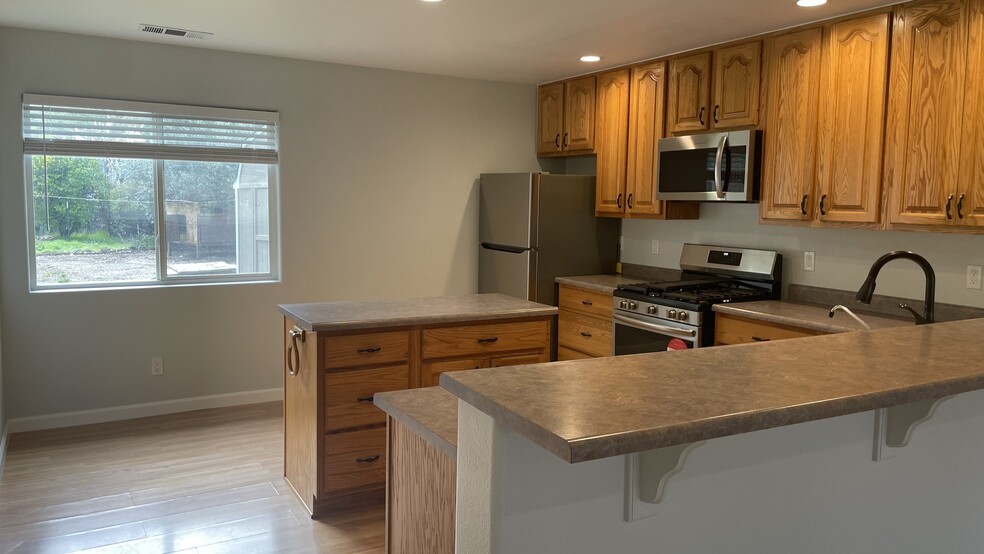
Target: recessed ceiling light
[591,59]
[810,3]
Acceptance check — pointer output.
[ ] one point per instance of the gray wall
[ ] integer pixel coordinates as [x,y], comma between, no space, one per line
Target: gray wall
[842,256]
[378,200]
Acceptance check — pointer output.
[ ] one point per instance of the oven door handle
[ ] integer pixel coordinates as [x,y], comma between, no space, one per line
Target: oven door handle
[644,326]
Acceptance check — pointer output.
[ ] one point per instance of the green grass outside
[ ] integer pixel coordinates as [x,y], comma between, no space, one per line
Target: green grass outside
[90,242]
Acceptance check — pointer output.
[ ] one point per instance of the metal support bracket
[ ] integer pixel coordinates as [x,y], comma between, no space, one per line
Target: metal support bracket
[646,475]
[894,425]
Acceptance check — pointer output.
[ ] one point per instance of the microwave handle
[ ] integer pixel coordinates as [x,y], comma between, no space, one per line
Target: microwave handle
[672,331]
[718,181]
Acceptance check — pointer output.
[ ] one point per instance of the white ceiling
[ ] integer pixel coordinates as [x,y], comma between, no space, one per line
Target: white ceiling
[526,41]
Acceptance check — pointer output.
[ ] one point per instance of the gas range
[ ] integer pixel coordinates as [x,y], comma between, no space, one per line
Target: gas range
[678,314]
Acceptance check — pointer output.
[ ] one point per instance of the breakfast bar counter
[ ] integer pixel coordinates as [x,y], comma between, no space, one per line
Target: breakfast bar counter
[816,437]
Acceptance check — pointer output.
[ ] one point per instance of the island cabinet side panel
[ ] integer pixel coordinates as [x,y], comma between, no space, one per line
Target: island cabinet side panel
[420,498]
[302,417]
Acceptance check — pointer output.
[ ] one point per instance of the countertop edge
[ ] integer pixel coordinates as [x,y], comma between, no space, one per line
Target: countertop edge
[415,425]
[736,309]
[352,325]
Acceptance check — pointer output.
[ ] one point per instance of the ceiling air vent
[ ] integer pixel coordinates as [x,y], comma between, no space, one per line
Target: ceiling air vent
[171,31]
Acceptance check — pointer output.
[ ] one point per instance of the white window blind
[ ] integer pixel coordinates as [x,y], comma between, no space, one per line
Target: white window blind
[67,126]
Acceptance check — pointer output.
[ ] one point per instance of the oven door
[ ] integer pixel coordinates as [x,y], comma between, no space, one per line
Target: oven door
[633,334]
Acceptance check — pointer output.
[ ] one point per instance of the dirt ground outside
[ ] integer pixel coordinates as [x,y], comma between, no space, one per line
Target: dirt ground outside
[124,266]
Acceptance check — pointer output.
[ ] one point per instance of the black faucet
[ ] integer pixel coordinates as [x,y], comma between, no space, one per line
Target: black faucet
[868,288]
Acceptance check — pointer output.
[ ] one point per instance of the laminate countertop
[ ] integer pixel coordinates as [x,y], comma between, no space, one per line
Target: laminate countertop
[590,409]
[345,316]
[431,413]
[808,316]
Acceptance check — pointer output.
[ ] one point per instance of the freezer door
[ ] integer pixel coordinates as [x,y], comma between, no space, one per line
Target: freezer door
[506,272]
[506,214]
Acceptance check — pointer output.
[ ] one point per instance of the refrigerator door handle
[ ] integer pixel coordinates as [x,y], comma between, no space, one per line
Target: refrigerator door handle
[505,248]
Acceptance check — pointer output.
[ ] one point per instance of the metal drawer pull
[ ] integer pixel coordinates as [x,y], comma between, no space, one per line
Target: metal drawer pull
[364,398]
[760,339]
[587,303]
[803,203]
[488,341]
[585,334]
[368,460]
[960,206]
[371,350]
[949,201]
[700,116]
[294,353]
[557,140]
[823,202]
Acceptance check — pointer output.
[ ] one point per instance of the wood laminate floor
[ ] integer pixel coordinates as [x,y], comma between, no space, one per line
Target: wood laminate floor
[204,481]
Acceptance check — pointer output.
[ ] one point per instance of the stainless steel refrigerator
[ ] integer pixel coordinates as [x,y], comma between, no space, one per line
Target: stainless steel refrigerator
[534,227]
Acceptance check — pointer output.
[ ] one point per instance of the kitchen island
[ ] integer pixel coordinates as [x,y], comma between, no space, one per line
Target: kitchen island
[782,439]
[337,355]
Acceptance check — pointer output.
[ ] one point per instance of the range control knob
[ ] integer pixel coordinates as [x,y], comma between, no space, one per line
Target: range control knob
[623,304]
[632,305]
[671,314]
[651,309]
[682,316]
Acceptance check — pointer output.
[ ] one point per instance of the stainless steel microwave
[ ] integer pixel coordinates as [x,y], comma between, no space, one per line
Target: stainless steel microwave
[711,167]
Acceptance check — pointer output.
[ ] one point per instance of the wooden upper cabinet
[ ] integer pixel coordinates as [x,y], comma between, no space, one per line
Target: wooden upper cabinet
[611,142]
[646,124]
[579,119]
[926,99]
[565,117]
[690,91]
[971,185]
[737,74]
[851,121]
[789,158]
[550,118]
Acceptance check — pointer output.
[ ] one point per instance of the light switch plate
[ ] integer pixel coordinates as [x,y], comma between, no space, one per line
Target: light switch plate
[809,261]
[655,246]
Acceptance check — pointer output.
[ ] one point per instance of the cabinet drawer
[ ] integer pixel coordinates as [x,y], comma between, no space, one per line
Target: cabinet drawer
[585,301]
[367,348]
[348,395]
[736,330]
[564,353]
[522,359]
[430,372]
[587,334]
[355,459]
[485,339]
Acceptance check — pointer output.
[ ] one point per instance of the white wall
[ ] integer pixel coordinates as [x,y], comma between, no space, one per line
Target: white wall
[377,193]
[843,256]
[810,488]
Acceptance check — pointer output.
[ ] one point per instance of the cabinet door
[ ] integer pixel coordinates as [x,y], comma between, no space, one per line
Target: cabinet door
[690,91]
[646,122]
[612,131]
[737,73]
[927,81]
[853,80]
[430,372]
[970,189]
[793,70]
[550,118]
[579,119]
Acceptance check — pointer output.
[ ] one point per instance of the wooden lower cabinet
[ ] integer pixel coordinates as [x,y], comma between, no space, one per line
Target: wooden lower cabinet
[421,495]
[729,329]
[334,436]
[584,324]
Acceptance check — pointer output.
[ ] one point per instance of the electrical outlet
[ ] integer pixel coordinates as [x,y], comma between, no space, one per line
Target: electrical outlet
[809,261]
[974,277]
[655,246]
[157,366]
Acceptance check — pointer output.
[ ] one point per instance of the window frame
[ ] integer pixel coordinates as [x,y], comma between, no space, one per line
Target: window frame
[160,230]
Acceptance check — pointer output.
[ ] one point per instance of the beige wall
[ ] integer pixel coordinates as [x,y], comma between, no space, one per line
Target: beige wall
[378,198]
[842,256]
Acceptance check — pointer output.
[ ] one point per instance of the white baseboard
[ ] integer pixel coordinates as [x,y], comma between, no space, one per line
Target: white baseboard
[4,439]
[134,411]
